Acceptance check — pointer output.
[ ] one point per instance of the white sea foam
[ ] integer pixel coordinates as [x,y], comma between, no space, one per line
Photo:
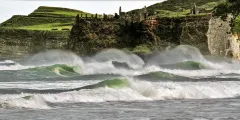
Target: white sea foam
[132,60]
[23,101]
[7,61]
[138,91]
[14,67]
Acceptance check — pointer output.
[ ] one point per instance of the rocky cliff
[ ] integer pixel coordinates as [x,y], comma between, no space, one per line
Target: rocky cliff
[89,37]
[185,31]
[17,43]
[219,35]
[48,28]
[221,40]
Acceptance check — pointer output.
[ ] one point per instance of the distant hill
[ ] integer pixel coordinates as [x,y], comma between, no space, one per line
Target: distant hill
[44,18]
[175,8]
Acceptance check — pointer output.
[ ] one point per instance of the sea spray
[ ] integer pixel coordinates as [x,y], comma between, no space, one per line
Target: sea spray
[181,53]
[52,57]
[27,101]
[117,55]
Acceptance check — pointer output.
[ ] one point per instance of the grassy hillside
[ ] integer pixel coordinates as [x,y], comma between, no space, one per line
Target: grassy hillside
[176,8]
[56,18]
[44,18]
[44,11]
[230,6]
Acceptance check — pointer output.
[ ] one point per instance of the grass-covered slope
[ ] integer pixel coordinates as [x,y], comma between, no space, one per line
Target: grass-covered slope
[230,7]
[44,11]
[176,8]
[44,18]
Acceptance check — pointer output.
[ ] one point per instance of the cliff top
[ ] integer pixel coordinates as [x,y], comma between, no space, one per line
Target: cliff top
[57,18]
[45,18]
[176,8]
[46,11]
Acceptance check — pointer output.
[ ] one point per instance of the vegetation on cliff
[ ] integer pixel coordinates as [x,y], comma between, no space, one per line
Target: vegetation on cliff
[44,11]
[178,8]
[227,7]
[45,18]
[97,36]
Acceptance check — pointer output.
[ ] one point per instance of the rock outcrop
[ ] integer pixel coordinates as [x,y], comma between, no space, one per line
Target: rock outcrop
[219,36]
[18,43]
[89,37]
[185,31]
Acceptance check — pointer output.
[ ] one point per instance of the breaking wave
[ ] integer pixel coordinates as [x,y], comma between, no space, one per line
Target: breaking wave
[132,60]
[59,69]
[125,90]
[187,65]
[179,73]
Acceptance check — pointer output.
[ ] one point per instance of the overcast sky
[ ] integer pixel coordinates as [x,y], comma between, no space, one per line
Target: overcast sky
[8,8]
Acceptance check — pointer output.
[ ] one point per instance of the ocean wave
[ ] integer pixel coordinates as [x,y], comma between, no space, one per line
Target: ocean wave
[125,90]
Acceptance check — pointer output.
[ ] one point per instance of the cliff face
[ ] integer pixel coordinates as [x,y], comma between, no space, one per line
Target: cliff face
[194,33]
[185,31]
[219,36]
[89,37]
[221,41]
[17,43]
[210,35]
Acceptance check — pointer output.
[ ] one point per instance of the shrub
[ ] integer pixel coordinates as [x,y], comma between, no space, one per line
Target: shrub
[142,49]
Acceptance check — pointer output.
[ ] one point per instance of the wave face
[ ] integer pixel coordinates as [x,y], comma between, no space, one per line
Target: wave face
[57,76]
[116,55]
[62,70]
[188,65]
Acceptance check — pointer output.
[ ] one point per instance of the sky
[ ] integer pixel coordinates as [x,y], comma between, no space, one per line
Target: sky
[8,8]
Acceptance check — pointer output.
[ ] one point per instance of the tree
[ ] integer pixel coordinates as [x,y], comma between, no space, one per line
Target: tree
[234,8]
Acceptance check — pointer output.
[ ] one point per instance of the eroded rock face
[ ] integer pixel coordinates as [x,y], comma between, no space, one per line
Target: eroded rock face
[194,34]
[234,51]
[90,37]
[95,36]
[220,36]
[186,31]
[16,43]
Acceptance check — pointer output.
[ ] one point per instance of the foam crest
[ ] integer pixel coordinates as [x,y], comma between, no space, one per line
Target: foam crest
[181,53]
[137,91]
[200,73]
[14,67]
[189,90]
[6,61]
[117,55]
[24,101]
[53,57]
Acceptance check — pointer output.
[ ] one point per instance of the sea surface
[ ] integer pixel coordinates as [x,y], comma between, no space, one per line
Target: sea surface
[176,84]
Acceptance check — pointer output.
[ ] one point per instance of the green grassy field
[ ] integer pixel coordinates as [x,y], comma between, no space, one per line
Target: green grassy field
[45,18]
[50,26]
[44,11]
[180,8]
